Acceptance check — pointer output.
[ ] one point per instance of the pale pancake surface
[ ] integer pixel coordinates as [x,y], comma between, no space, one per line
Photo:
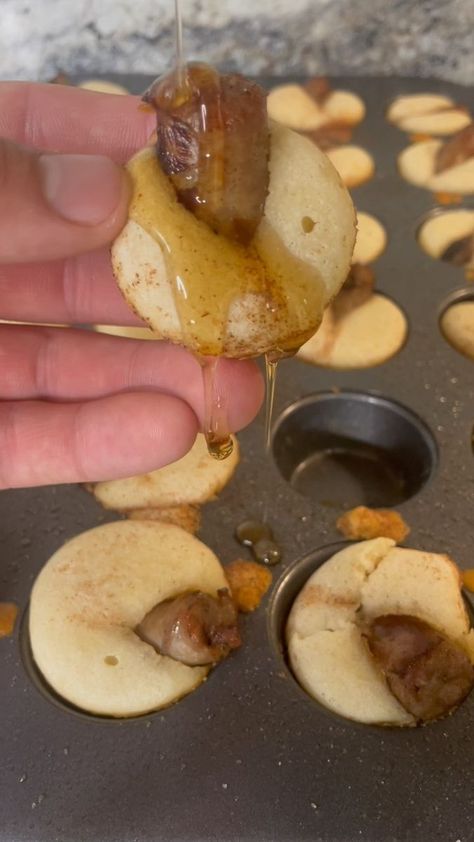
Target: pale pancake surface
[444,229]
[417,165]
[371,239]
[368,335]
[326,647]
[457,326]
[354,164]
[192,480]
[303,184]
[90,596]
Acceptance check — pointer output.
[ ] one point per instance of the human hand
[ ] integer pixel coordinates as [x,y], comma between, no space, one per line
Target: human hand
[78,406]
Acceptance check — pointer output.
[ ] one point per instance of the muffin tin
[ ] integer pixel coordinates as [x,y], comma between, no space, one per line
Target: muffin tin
[249,755]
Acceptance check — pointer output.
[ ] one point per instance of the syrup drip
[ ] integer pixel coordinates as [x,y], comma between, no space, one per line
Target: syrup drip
[271,364]
[180,66]
[259,537]
[216,280]
[216,426]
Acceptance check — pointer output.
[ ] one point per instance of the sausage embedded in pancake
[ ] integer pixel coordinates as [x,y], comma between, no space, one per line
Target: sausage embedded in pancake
[441,167]
[194,628]
[449,236]
[213,142]
[266,295]
[88,601]
[353,590]
[428,673]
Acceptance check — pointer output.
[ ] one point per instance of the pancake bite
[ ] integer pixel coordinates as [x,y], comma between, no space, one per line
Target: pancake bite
[215,256]
[441,166]
[130,617]
[315,107]
[449,236]
[381,635]
[428,114]
[457,327]
[173,493]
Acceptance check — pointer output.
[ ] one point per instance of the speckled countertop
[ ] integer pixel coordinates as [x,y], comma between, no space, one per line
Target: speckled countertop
[408,37]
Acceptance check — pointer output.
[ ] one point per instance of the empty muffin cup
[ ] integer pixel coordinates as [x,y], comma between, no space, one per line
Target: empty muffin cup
[351,448]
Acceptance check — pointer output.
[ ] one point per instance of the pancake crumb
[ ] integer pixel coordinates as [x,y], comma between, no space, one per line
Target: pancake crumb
[468,579]
[8,614]
[363,523]
[248,582]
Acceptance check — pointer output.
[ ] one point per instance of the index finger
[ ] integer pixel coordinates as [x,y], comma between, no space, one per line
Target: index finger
[58,118]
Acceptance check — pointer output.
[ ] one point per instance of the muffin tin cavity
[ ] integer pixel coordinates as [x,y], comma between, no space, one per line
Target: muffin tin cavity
[456,322]
[352,448]
[449,236]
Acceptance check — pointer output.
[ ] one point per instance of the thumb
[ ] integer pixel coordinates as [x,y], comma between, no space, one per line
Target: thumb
[55,206]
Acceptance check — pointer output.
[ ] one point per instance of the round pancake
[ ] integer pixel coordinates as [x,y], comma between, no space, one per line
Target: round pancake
[457,327]
[344,107]
[90,596]
[417,162]
[442,230]
[192,480]
[354,164]
[327,652]
[436,123]
[371,239]
[303,185]
[293,107]
[367,336]
[409,105]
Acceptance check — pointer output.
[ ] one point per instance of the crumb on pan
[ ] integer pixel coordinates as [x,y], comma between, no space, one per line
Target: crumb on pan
[448,198]
[468,579]
[362,523]
[187,517]
[8,614]
[248,583]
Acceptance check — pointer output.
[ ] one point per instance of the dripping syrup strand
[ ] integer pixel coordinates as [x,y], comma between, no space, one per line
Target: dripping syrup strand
[216,425]
[271,364]
[180,74]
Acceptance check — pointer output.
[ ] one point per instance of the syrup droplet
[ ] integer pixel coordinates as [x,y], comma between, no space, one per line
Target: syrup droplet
[216,425]
[266,551]
[251,531]
[259,536]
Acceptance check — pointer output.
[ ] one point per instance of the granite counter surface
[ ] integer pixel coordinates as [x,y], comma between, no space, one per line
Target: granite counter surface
[270,37]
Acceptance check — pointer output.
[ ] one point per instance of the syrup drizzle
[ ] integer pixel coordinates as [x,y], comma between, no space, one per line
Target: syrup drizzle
[180,65]
[271,364]
[223,274]
[216,425]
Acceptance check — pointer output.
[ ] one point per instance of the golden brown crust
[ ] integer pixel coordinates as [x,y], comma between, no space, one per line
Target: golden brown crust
[187,517]
[362,524]
[248,583]
[8,614]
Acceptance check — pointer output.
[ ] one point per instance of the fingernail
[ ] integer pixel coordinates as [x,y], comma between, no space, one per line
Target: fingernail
[85,189]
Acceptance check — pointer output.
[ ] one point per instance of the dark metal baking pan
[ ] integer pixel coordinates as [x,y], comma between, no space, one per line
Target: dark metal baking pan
[249,756]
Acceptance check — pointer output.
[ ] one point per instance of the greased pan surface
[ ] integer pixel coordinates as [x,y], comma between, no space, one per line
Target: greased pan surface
[249,756]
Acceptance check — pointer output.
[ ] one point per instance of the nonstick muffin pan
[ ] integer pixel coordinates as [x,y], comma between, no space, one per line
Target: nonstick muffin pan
[249,756]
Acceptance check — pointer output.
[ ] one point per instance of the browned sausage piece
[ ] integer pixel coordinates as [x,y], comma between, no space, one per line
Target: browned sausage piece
[455,151]
[213,142]
[428,673]
[194,628]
